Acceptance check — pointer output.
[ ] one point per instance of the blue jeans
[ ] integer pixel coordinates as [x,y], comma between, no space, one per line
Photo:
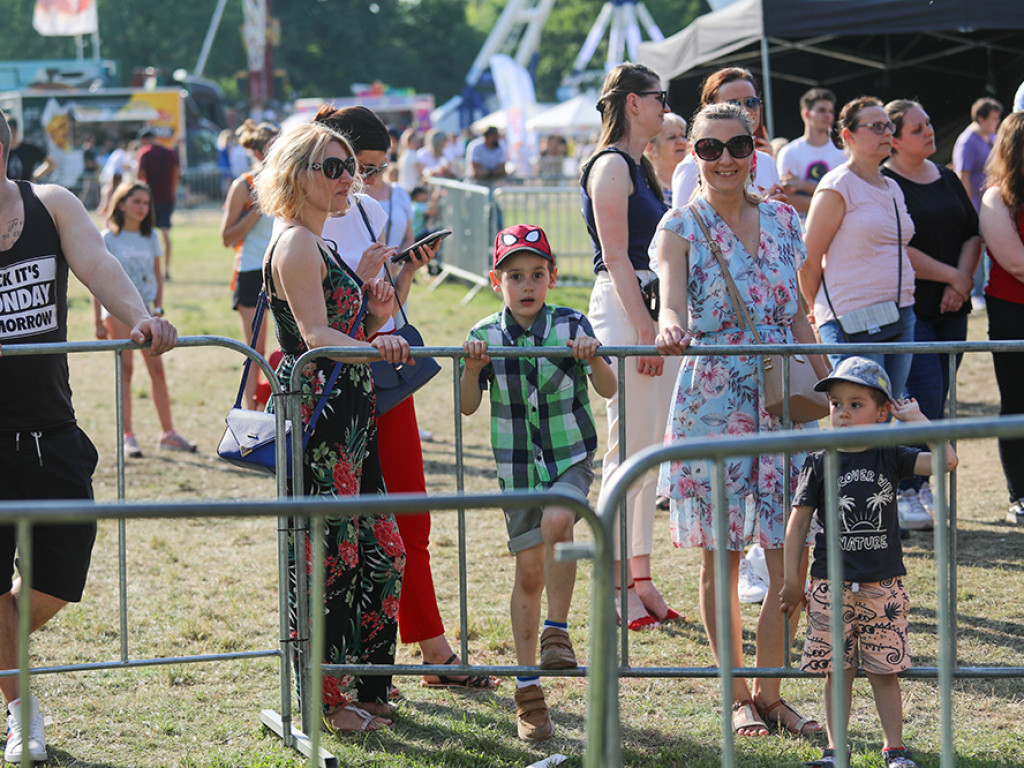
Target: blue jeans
[897,365]
[928,380]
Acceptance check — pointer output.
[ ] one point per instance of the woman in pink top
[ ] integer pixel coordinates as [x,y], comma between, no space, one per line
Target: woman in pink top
[857,233]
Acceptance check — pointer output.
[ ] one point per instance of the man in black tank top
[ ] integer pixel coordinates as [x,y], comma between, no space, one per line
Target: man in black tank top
[44,232]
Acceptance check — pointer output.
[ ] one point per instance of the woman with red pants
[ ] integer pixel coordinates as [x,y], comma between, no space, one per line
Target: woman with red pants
[366,242]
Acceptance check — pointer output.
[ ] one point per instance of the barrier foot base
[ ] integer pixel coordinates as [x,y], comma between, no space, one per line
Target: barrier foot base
[300,742]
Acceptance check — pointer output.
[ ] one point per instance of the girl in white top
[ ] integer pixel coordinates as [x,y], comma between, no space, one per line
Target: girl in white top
[855,242]
[129,237]
[732,85]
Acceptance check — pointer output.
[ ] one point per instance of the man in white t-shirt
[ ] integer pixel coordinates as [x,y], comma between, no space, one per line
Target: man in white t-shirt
[805,160]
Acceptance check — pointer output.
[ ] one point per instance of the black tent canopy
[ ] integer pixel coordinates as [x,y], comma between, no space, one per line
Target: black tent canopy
[946,53]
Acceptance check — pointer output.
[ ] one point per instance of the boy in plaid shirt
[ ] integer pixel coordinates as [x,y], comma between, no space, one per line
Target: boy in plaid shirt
[544,437]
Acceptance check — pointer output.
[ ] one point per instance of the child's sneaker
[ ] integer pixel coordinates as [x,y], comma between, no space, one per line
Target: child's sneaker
[749,585]
[532,717]
[897,757]
[827,759]
[913,515]
[131,448]
[1015,514]
[173,441]
[556,650]
[16,742]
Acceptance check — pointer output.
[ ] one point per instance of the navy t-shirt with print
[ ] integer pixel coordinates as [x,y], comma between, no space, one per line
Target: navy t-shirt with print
[870,532]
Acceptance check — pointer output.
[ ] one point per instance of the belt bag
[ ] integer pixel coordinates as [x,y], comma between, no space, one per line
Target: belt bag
[804,403]
[877,322]
[394,382]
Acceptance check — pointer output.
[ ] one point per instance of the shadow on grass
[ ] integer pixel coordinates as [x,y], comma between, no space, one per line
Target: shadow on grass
[997,546]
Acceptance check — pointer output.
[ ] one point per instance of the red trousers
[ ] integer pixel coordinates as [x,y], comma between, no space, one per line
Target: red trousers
[401,458]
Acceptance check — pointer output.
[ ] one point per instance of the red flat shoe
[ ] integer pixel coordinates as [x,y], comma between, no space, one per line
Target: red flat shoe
[671,615]
[644,622]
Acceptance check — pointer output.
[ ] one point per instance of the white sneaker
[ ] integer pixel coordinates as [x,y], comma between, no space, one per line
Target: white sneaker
[913,515]
[15,741]
[750,588]
[924,495]
[755,559]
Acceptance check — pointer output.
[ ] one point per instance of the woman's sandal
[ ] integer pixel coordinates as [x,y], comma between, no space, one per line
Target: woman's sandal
[784,715]
[644,622]
[670,615]
[745,717]
[367,721]
[478,682]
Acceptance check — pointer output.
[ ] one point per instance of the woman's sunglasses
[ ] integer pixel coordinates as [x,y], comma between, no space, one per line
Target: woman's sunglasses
[662,96]
[333,167]
[711,149]
[878,128]
[751,102]
[369,171]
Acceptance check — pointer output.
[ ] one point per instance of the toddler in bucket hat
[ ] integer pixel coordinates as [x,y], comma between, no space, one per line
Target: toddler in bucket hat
[859,370]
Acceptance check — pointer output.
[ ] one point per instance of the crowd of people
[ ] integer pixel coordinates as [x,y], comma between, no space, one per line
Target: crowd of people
[702,238]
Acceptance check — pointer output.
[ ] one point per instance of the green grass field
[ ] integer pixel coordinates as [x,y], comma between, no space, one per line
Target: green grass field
[203,586]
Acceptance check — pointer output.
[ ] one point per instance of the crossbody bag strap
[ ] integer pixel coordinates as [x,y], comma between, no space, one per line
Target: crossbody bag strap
[387,270]
[738,305]
[899,267]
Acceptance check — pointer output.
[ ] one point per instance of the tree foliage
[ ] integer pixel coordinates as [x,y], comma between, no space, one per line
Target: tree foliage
[327,45]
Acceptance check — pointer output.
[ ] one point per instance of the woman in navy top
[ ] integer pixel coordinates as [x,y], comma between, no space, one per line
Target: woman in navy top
[622,205]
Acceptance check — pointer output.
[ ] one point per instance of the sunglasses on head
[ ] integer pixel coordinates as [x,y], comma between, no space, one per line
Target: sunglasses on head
[662,96]
[369,171]
[711,149]
[333,167]
[751,102]
[878,128]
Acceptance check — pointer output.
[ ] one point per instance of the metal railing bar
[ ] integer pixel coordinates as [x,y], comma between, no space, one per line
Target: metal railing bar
[150,662]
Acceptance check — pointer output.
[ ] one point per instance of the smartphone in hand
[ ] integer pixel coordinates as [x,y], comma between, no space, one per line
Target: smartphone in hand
[434,237]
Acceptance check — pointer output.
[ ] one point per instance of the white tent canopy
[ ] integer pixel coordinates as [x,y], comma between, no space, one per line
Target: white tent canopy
[499,118]
[577,116]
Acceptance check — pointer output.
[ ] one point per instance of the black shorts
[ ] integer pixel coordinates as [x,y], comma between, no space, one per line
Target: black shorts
[57,465]
[163,213]
[247,288]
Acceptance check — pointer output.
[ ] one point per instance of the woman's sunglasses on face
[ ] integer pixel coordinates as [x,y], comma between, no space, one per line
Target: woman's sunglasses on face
[333,167]
[662,96]
[711,149]
[751,102]
[879,127]
[369,171]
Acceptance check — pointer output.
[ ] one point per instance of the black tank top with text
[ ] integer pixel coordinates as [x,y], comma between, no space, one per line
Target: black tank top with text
[35,392]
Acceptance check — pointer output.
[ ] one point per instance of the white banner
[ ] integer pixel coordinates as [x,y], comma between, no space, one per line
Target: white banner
[514,87]
[65,18]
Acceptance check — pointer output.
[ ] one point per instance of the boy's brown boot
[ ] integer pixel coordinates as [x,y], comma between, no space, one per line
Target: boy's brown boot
[556,650]
[532,714]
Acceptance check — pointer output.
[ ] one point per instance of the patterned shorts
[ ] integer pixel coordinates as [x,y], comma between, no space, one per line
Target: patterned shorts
[874,627]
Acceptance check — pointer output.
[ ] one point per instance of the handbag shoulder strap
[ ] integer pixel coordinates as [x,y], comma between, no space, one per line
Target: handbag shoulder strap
[738,305]
[387,271]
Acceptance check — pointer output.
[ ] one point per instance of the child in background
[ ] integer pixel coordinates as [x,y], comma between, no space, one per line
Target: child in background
[875,603]
[129,236]
[544,437]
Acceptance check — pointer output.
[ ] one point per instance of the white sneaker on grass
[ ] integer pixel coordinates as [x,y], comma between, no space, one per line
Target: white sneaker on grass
[924,495]
[913,515]
[16,741]
[749,586]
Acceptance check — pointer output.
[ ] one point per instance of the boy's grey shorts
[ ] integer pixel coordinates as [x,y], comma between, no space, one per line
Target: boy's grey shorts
[524,524]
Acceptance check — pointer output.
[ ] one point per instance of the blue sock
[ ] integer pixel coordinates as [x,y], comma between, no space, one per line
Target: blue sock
[556,624]
[522,682]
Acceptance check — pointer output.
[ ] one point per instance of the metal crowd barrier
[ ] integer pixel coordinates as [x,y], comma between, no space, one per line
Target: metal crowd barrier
[604,748]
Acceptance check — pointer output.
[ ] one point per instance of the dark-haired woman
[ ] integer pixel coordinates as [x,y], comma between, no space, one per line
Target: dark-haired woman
[945,251]
[736,86]
[858,230]
[622,205]
[367,227]
[1002,228]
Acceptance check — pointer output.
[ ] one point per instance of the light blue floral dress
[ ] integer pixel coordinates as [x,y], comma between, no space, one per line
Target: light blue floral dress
[723,396]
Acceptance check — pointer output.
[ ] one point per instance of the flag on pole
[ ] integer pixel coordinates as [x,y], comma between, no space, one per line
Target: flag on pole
[65,18]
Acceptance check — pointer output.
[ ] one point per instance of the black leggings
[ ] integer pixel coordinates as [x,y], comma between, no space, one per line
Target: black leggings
[1005,323]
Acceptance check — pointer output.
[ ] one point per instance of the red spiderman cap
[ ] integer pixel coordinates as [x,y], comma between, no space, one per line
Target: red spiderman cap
[521,237]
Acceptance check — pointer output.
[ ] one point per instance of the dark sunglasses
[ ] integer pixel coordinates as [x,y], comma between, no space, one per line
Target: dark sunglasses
[333,167]
[751,102]
[662,96]
[711,149]
[369,171]
[877,128]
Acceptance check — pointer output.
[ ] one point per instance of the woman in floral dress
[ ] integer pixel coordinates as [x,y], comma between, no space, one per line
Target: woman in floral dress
[723,395]
[318,301]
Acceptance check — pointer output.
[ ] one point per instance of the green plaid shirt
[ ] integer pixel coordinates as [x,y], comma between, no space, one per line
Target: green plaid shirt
[541,423]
